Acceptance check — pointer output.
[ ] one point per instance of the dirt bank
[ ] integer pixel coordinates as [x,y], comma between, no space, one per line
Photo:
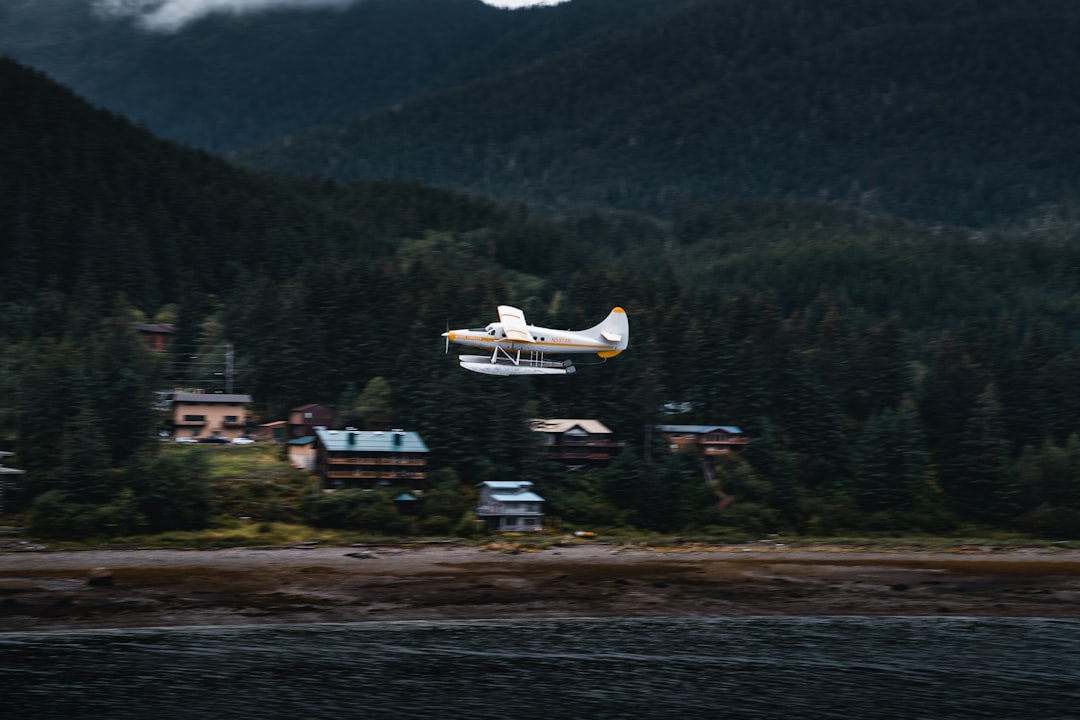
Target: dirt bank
[142,588]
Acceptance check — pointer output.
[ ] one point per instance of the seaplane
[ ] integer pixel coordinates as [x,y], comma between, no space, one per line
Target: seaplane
[517,348]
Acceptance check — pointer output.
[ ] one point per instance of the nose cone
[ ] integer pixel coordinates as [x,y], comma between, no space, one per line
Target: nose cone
[449,335]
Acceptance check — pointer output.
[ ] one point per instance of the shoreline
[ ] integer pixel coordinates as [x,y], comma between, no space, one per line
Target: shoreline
[94,589]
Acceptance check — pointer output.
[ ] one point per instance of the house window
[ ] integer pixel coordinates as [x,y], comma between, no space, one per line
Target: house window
[194,418]
[232,418]
[510,521]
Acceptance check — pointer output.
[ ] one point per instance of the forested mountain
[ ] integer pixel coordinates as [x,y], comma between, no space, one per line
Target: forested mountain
[958,112]
[230,81]
[891,376]
[961,112]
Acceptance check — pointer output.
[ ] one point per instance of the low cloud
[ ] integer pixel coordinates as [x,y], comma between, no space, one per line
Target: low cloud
[172,15]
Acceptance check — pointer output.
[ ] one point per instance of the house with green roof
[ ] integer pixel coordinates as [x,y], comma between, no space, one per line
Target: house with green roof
[368,459]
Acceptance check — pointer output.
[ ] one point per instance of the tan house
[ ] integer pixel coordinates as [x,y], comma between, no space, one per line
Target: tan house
[708,440]
[577,443]
[209,415]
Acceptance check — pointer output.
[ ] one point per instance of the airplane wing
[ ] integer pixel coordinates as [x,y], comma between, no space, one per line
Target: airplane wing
[513,322]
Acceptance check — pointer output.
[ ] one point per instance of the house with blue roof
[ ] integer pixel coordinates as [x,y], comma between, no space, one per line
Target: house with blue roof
[510,506]
[368,459]
[707,440]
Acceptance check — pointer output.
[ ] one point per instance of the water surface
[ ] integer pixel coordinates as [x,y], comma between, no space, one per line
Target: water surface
[754,668]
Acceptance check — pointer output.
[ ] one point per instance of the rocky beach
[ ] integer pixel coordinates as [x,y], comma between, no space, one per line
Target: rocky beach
[44,590]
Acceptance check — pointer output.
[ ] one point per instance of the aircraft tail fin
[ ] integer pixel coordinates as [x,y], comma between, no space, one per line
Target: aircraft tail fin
[615,328]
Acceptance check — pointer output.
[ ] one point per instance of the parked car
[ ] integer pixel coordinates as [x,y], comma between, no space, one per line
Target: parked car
[186,440]
[242,441]
[214,439]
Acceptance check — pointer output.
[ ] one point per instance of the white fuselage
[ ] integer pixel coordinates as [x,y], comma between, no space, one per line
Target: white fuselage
[544,340]
[508,339]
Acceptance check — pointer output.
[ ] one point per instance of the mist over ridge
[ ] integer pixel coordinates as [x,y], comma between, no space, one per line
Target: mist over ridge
[173,15]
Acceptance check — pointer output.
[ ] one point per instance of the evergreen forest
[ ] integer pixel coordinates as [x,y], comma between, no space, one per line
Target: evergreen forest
[893,376]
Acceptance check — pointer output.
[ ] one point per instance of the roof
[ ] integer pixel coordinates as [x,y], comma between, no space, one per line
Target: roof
[153,327]
[309,406]
[210,398]
[371,441]
[700,429]
[516,497]
[505,484]
[306,440]
[405,497]
[561,425]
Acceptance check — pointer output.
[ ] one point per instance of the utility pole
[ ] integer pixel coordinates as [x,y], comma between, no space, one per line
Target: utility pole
[229,368]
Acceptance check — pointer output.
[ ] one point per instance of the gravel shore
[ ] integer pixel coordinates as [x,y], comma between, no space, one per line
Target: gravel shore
[46,590]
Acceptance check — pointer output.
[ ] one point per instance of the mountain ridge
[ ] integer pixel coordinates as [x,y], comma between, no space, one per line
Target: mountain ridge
[954,113]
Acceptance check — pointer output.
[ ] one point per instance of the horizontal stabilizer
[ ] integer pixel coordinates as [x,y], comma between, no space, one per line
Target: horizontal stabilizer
[611,337]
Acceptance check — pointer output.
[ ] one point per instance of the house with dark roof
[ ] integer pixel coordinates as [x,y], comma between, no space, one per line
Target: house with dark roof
[510,506]
[157,335]
[577,443]
[9,480]
[304,419]
[209,415]
[707,440]
[352,458]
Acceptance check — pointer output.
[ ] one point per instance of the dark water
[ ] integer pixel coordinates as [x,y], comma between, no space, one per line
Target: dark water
[938,668]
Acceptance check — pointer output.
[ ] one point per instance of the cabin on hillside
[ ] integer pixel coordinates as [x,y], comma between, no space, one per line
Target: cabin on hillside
[304,419]
[576,443]
[209,415]
[157,335]
[302,453]
[369,459]
[510,506]
[9,481]
[706,440]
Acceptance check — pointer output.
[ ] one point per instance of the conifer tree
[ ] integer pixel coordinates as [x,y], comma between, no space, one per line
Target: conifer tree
[982,485]
[891,463]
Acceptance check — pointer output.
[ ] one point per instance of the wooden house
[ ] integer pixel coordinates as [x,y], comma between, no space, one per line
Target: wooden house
[157,335]
[707,440]
[579,444]
[10,486]
[368,459]
[304,419]
[510,506]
